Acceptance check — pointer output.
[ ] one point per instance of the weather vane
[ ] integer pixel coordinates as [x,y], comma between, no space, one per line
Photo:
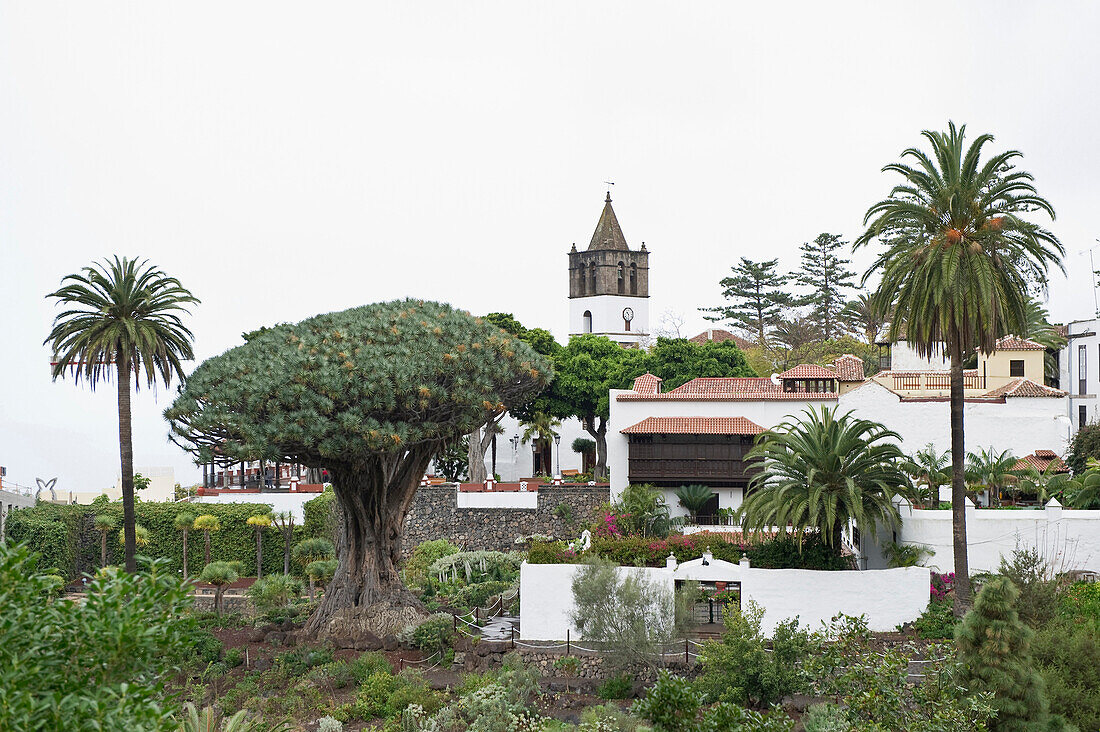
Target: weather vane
[609,182]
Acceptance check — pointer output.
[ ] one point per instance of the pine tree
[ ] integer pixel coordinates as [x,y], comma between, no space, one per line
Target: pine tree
[758,300]
[994,648]
[827,276]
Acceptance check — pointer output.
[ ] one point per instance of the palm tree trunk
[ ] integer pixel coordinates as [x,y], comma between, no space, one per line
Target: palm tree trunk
[958,486]
[218,599]
[288,534]
[126,451]
[103,549]
[185,575]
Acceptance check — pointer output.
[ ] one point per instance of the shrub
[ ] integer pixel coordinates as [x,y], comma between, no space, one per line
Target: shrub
[724,716]
[937,622]
[274,592]
[1030,572]
[478,595]
[994,648]
[93,665]
[298,661]
[1084,446]
[433,635]
[1068,657]
[616,687]
[608,718]
[415,571]
[825,718]
[788,552]
[56,532]
[319,516]
[1081,601]
[550,552]
[312,550]
[234,657]
[368,664]
[742,669]
[671,704]
[207,648]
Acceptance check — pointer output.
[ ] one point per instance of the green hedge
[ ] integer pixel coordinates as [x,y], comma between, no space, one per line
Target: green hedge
[320,517]
[67,539]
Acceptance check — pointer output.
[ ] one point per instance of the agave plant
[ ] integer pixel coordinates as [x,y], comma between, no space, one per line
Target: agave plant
[209,720]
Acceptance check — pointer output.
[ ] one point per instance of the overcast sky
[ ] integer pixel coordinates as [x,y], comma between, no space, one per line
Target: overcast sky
[285,159]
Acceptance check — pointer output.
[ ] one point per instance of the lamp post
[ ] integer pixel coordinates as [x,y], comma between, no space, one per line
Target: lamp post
[557,444]
[514,440]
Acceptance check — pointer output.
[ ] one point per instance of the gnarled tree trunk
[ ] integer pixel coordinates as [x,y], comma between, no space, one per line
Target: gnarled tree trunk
[599,434]
[479,441]
[366,594]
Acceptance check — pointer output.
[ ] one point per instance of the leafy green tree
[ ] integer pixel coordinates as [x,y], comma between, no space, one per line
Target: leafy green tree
[958,260]
[757,298]
[207,524]
[184,522]
[372,394]
[1084,446]
[826,275]
[259,522]
[930,467]
[990,470]
[121,316]
[105,523]
[584,372]
[221,575]
[994,646]
[1084,490]
[677,361]
[824,471]
[541,429]
[453,460]
[100,663]
[1047,483]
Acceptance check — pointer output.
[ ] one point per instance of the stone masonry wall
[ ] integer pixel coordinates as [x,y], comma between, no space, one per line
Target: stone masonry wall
[435,515]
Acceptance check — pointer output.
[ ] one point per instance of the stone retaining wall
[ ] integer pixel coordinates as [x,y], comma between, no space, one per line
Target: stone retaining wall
[435,515]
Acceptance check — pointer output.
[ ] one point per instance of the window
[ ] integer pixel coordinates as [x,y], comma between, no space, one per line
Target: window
[622,278]
[1082,417]
[587,321]
[1016,367]
[1082,369]
[634,279]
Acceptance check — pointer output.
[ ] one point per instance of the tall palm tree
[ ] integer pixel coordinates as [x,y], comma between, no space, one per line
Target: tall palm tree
[259,522]
[821,473]
[121,316]
[105,523]
[991,470]
[930,467]
[183,522]
[958,262]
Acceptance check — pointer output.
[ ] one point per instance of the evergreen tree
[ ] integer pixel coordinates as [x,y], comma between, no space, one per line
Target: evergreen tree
[994,649]
[756,295]
[827,276]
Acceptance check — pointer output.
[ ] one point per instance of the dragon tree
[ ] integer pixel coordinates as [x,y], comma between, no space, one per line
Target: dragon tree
[371,394]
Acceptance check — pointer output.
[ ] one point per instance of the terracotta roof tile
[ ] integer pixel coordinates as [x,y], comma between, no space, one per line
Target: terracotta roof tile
[727,389]
[647,383]
[849,368]
[808,371]
[1041,460]
[1022,387]
[1012,343]
[719,336]
[694,426]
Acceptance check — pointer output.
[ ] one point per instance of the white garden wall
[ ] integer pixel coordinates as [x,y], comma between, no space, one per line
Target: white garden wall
[293,502]
[498,499]
[1069,539]
[886,597]
[546,598]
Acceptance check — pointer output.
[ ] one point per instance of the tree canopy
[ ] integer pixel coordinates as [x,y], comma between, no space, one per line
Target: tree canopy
[756,300]
[827,276]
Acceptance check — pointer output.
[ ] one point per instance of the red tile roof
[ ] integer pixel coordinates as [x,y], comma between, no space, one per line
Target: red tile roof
[1012,343]
[849,368]
[808,371]
[1022,387]
[647,383]
[694,426]
[718,336]
[727,389]
[1041,460]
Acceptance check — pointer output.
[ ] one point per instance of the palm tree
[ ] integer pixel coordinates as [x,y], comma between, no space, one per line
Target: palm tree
[1052,480]
[121,313]
[694,498]
[105,523]
[207,524]
[956,270]
[930,467]
[823,472]
[1038,328]
[183,522]
[541,429]
[260,522]
[991,470]
[142,537]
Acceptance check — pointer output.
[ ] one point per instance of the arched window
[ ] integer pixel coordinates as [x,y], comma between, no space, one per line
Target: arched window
[592,277]
[633,279]
[622,278]
[587,321]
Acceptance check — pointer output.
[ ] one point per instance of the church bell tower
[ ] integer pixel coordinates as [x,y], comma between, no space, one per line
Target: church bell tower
[609,285]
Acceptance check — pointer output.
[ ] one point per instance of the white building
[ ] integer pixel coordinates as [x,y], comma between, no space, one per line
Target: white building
[1079,372]
[700,432]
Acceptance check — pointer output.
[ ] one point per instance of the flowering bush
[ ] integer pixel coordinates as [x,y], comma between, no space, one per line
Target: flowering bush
[942,584]
[609,525]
